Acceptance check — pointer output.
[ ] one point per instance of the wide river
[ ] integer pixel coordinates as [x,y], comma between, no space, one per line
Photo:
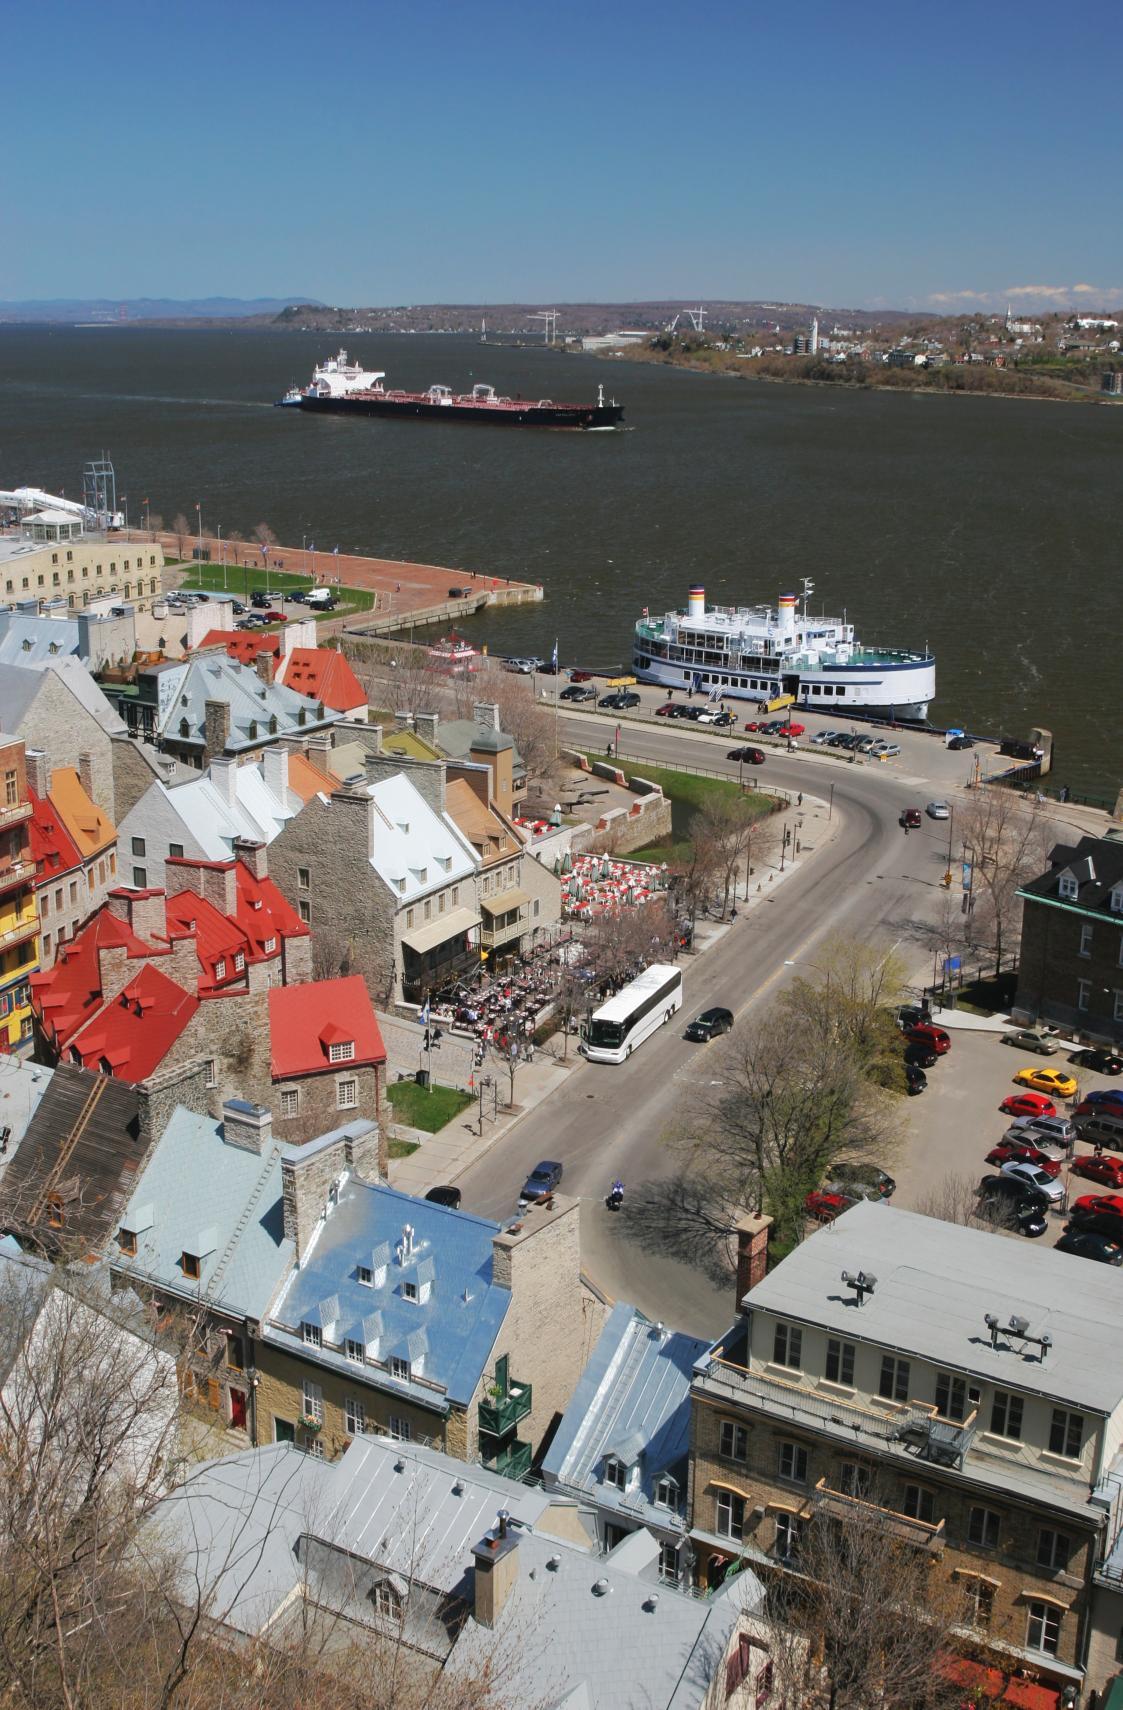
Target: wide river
[988,528]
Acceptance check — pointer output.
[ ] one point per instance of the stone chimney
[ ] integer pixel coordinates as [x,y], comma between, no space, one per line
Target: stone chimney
[308,1173]
[275,767]
[247,1126]
[362,1149]
[220,885]
[86,773]
[224,772]
[426,776]
[115,969]
[255,856]
[752,1252]
[486,715]
[403,719]
[426,724]
[39,772]
[318,747]
[145,911]
[216,728]
[265,665]
[182,965]
[162,1093]
[495,1562]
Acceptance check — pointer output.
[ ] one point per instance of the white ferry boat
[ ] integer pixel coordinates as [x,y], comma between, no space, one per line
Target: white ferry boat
[338,377]
[758,652]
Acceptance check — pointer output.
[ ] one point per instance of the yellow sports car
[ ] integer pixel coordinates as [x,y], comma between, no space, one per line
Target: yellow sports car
[1046,1081]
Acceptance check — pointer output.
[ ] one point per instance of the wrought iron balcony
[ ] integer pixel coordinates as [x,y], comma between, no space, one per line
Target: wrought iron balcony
[500,1415]
[513,1461]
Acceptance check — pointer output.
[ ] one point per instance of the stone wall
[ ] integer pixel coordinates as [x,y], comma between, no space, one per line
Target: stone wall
[280,1393]
[58,723]
[553,1322]
[318,1106]
[86,569]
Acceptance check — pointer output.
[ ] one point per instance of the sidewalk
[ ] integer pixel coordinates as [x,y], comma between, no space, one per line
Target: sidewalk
[442,1157]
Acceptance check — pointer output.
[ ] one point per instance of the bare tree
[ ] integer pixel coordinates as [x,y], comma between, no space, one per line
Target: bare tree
[181,528]
[265,538]
[155,525]
[1006,840]
[331,954]
[236,539]
[725,827]
[531,725]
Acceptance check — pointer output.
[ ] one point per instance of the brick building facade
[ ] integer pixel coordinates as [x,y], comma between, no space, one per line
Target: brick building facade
[1070,971]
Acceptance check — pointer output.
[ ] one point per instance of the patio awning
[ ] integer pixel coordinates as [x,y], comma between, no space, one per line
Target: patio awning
[434,932]
[504,902]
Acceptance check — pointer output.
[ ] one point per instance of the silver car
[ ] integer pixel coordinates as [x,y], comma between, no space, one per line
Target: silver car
[1027,1040]
[1044,1184]
[938,810]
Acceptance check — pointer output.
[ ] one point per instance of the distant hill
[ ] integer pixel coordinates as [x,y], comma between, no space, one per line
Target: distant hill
[67,310]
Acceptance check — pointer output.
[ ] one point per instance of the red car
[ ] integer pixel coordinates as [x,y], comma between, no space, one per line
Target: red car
[824,1207]
[754,724]
[1023,1152]
[1028,1104]
[580,676]
[667,709]
[927,1033]
[792,729]
[1091,1204]
[274,617]
[1107,1171]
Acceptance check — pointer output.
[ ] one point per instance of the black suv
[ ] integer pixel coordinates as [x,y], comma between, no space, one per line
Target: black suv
[709,1024]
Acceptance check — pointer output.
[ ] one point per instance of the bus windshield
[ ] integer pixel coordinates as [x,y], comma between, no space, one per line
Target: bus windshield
[605,1033]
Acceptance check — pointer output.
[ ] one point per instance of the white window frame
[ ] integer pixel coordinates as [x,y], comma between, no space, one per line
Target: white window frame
[400,1429]
[790,1528]
[1067,888]
[211,1076]
[615,1473]
[1062,1420]
[290,1101]
[398,1368]
[347,1094]
[1083,995]
[1043,1621]
[341,1051]
[990,1527]
[840,1354]
[387,1603]
[1054,1550]
[725,1524]
[733,1440]
[354,1415]
[791,1457]
[354,1351]
[667,1493]
[312,1401]
[311,1335]
[1087,931]
[787,1345]
[919,1503]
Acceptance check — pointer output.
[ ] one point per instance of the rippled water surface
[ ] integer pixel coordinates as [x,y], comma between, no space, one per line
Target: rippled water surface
[990,528]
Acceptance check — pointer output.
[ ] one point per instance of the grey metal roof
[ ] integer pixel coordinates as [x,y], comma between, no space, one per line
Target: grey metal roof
[935,1282]
[632,1401]
[185,689]
[453,1331]
[203,1191]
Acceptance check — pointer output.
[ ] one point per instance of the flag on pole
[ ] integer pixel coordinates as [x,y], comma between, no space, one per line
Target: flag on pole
[554,655]
[335,551]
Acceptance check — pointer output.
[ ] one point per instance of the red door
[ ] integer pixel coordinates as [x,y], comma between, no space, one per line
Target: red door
[238,1409]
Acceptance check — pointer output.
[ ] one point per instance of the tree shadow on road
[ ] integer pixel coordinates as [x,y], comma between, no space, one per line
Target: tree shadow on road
[682,1217]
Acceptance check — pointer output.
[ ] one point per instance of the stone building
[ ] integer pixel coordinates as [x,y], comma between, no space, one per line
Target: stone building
[208,705]
[327,1059]
[960,1386]
[77,567]
[1070,970]
[404,1317]
[74,846]
[206,816]
[55,706]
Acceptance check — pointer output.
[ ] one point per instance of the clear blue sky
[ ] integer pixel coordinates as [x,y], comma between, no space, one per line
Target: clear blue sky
[430,151]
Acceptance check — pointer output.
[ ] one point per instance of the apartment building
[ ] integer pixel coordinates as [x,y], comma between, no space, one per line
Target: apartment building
[19,915]
[1070,970]
[74,846]
[54,558]
[964,1387]
[209,705]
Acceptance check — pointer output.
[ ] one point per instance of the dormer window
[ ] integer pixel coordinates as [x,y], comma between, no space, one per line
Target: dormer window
[1067,887]
[239,961]
[126,1241]
[270,946]
[190,1265]
[615,1473]
[220,968]
[409,1291]
[399,1368]
[341,1051]
[312,1335]
[666,1492]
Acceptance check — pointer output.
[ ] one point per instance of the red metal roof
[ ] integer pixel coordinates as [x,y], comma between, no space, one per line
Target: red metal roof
[305,1020]
[52,848]
[131,1036]
[66,995]
[265,914]
[325,675]
[242,644]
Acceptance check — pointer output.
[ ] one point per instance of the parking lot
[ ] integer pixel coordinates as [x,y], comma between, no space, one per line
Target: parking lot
[953,1125]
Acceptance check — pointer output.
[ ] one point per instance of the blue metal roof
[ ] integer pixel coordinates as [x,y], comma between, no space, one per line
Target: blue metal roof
[632,1403]
[447,1333]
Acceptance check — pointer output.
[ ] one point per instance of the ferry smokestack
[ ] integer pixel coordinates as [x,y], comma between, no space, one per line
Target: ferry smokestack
[696,603]
[786,613]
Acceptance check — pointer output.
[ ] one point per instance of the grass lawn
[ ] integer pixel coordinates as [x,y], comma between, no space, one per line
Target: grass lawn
[242,579]
[686,793]
[429,1107]
[402,1148]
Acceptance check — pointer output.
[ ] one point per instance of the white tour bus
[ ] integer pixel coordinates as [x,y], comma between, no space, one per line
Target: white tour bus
[618,1026]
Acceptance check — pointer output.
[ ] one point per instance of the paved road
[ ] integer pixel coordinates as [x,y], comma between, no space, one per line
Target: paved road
[865,879]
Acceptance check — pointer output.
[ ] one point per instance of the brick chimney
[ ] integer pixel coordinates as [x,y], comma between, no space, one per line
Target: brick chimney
[265,665]
[216,728]
[247,1126]
[144,911]
[275,769]
[86,773]
[752,1252]
[38,772]
[255,856]
[220,885]
[495,1561]
[115,968]
[223,773]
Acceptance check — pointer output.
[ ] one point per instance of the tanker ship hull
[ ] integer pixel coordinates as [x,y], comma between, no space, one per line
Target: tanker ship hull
[513,414]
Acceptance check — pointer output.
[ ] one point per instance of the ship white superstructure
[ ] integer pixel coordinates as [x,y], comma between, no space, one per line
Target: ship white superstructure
[758,652]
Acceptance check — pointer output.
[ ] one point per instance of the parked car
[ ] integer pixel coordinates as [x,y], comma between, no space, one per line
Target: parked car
[822,736]
[262,597]
[927,1033]
[459,593]
[1007,1202]
[825,1204]
[919,1056]
[1027,1104]
[542,1181]
[911,1015]
[1057,1131]
[1087,1244]
[1031,1175]
[792,729]
[889,751]
[710,1024]
[576,676]
[1103,1062]
[725,719]
[274,617]
[915,1079]
[962,742]
[863,1177]
[1100,1098]
[1027,1040]
[619,700]
[577,692]
[237,608]
[1052,1081]
[938,810]
[1023,1152]
[668,709]
[750,756]
[910,817]
[1097,1205]
[520,667]
[447,1196]
[1108,1172]
[298,597]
